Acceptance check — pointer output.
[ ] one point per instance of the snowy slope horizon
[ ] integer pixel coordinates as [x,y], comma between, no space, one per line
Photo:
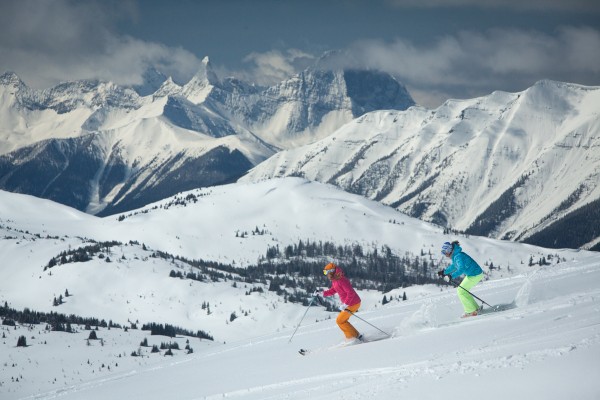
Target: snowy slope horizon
[103,148]
[520,166]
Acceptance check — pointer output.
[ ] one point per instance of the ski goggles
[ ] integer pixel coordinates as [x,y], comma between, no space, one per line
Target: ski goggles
[328,271]
[447,249]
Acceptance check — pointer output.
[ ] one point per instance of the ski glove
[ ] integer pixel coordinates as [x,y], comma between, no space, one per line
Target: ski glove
[316,293]
[443,276]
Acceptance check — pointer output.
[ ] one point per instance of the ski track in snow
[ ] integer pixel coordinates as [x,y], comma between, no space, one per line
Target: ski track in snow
[361,380]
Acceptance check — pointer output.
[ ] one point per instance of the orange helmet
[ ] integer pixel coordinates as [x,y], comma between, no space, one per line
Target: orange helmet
[329,269]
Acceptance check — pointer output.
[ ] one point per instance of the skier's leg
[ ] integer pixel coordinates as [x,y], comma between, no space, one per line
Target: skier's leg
[468,302]
[342,321]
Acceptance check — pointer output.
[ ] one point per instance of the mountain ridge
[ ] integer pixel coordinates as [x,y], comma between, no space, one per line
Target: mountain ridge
[526,159]
[477,165]
[206,132]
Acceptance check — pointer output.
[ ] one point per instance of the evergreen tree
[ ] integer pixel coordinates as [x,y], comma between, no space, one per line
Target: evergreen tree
[22,341]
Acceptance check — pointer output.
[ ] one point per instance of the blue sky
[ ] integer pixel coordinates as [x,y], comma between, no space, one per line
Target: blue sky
[439,49]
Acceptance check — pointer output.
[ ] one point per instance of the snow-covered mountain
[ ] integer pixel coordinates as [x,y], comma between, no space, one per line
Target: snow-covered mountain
[549,324]
[522,166]
[103,148]
[96,146]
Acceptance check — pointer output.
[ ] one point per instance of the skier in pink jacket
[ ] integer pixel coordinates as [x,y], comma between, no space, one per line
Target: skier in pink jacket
[342,286]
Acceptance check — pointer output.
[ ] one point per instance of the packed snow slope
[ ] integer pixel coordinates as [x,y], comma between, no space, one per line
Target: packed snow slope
[554,323]
[507,165]
[544,344]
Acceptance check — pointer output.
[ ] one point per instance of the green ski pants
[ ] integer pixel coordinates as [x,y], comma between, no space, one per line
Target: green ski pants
[468,302]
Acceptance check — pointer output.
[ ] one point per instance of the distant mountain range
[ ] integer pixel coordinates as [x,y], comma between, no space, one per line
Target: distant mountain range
[103,148]
[518,166]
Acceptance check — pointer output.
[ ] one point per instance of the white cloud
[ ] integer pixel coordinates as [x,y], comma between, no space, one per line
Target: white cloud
[468,64]
[274,66]
[46,42]
[50,41]
[472,63]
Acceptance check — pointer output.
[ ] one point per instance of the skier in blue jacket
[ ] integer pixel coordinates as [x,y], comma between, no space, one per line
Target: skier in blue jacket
[462,264]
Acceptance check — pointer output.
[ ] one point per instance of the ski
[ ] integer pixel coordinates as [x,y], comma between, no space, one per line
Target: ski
[345,344]
[339,346]
[491,310]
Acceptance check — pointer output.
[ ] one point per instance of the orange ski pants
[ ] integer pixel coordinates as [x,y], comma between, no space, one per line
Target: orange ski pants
[342,321]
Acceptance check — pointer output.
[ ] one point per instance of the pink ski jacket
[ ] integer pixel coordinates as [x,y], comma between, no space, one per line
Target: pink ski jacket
[342,286]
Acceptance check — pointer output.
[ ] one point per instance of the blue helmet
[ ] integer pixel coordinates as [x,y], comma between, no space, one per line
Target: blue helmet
[447,248]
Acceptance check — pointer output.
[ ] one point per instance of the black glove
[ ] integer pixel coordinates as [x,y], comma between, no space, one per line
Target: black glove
[441,273]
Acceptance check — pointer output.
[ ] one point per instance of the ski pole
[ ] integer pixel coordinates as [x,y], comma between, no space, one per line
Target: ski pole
[458,286]
[367,322]
[305,312]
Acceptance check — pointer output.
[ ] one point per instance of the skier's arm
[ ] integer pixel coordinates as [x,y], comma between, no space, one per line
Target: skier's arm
[329,292]
[455,269]
[450,270]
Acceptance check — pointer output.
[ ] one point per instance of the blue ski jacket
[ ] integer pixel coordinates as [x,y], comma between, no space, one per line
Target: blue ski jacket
[462,263]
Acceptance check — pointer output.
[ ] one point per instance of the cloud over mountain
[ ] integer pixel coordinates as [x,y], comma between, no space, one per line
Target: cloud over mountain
[50,42]
[469,63]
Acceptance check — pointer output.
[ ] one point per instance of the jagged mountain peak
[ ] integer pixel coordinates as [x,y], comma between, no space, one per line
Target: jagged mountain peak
[92,94]
[368,89]
[315,102]
[68,96]
[375,90]
[206,72]
[201,84]
[11,79]
[168,88]
[152,80]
